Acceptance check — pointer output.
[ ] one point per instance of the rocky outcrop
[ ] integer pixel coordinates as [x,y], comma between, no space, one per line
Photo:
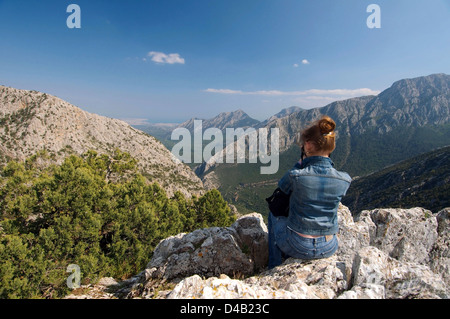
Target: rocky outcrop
[239,250]
[440,254]
[386,253]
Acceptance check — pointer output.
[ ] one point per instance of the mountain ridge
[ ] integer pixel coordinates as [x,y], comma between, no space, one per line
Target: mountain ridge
[32,121]
[404,97]
[223,120]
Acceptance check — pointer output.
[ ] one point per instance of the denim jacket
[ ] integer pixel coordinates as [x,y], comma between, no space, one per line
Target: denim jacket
[316,189]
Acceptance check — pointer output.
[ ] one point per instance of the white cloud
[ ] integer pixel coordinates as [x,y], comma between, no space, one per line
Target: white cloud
[304,61]
[295,65]
[135,121]
[225,91]
[160,57]
[305,99]
[313,92]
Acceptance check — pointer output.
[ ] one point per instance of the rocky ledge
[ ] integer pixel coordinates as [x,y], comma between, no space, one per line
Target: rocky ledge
[385,253]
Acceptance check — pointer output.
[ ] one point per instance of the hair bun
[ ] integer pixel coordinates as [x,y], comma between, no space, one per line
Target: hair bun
[326,125]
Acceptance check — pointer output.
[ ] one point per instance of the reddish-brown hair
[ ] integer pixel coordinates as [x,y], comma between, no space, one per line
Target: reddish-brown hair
[322,134]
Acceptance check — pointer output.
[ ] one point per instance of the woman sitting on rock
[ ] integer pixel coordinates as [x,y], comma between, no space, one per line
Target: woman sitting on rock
[316,189]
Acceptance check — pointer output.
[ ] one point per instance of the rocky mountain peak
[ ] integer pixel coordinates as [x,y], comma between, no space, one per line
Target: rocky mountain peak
[424,85]
[32,121]
[224,120]
[409,102]
[417,102]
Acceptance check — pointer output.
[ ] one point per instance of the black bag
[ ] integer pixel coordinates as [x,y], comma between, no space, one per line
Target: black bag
[279,203]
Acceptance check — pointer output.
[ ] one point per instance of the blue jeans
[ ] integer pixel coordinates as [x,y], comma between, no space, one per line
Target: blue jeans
[284,243]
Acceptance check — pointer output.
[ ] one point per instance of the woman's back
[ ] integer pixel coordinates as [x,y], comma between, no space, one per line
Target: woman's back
[316,189]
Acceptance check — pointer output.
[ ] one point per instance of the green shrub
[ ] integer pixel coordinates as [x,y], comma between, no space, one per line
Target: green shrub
[93,210]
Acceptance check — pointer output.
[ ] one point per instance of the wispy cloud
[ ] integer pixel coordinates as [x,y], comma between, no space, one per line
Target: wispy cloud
[305,99]
[304,62]
[160,57]
[312,92]
[135,121]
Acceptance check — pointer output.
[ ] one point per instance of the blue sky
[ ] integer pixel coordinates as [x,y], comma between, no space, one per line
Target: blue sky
[168,61]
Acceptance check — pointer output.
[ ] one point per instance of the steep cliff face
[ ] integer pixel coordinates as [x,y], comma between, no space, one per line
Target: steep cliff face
[384,254]
[32,121]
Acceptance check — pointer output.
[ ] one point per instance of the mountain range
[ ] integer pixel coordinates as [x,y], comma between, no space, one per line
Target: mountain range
[395,145]
[409,118]
[410,103]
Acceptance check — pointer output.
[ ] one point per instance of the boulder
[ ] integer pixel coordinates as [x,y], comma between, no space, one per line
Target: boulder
[399,279]
[440,253]
[405,234]
[239,250]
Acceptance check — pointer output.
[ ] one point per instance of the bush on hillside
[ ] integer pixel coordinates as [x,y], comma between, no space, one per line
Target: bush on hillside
[95,211]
